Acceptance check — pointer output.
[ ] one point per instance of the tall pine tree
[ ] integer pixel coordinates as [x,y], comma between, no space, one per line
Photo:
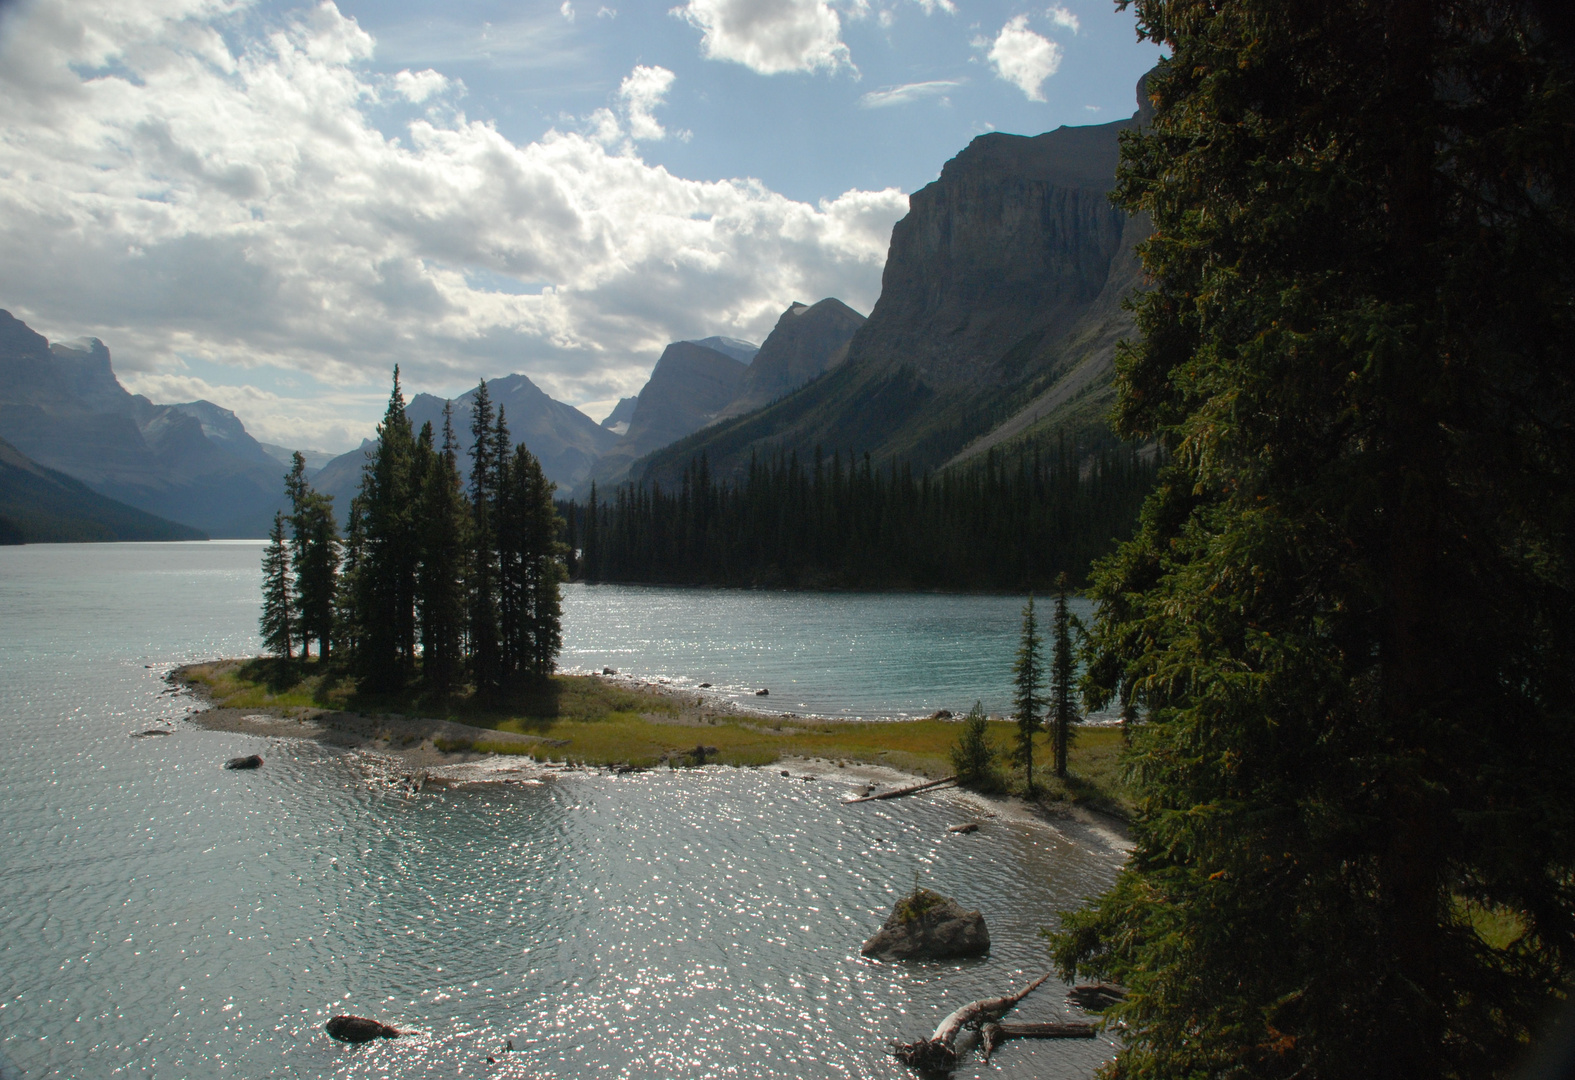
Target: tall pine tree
[1349,609]
[278,598]
[440,586]
[1028,677]
[486,661]
[315,553]
[386,656]
[1063,666]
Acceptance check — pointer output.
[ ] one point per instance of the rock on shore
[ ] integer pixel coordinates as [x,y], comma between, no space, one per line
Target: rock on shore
[358,1029]
[925,925]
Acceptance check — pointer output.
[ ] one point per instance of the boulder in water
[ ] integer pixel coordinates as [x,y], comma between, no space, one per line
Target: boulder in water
[762,693]
[250,761]
[925,925]
[358,1029]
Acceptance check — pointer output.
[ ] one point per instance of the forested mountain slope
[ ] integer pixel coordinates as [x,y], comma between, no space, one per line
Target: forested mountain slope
[192,463]
[1000,303]
[39,505]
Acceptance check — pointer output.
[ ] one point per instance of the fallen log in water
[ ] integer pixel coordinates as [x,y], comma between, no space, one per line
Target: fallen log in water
[1096,997]
[912,789]
[993,1035]
[938,1053]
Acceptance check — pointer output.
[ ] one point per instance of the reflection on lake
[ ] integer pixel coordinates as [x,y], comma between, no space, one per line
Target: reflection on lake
[166,918]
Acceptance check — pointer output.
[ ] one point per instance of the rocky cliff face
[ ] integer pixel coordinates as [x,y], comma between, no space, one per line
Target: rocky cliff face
[806,342]
[689,386]
[1002,283]
[63,407]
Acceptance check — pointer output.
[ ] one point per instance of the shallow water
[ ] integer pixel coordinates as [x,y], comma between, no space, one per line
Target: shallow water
[828,654]
[164,918]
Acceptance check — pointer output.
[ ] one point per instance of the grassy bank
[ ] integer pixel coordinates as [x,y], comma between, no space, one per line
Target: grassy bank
[585,718]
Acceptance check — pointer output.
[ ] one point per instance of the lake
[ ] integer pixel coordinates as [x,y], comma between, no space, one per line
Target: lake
[164,918]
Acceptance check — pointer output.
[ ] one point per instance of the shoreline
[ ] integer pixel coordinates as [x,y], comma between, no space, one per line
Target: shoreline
[404,751]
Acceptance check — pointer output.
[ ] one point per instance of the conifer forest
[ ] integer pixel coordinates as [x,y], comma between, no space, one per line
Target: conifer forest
[432,578]
[1012,523]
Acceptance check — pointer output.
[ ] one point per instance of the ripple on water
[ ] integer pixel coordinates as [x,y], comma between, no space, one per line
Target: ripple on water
[164,917]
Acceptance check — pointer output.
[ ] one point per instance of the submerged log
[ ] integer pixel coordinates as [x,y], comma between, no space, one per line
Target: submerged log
[358,1029]
[992,1034]
[1096,997]
[938,1053]
[912,789]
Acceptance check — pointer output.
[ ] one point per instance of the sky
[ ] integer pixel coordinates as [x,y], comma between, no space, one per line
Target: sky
[270,204]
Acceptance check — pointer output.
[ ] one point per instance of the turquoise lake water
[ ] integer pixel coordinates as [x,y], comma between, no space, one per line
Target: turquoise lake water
[160,917]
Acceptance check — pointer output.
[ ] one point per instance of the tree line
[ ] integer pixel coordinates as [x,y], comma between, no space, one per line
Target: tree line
[1348,609]
[432,579]
[1010,523]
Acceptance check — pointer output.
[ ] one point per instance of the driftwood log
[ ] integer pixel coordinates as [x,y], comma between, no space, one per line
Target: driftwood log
[938,1053]
[912,789]
[992,1034]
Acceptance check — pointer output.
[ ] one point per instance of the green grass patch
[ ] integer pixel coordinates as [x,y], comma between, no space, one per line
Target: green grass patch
[583,718]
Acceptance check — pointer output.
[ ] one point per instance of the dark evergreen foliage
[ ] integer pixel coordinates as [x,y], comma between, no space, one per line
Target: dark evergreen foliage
[386,654]
[431,578]
[277,623]
[1010,524]
[973,758]
[1028,678]
[1063,670]
[530,569]
[314,552]
[442,516]
[1349,609]
[486,660]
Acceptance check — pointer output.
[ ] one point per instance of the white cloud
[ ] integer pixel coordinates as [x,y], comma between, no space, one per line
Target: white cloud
[906,93]
[643,90]
[566,9]
[769,36]
[606,13]
[539,41]
[417,86]
[1063,18]
[932,6]
[206,209]
[1023,58]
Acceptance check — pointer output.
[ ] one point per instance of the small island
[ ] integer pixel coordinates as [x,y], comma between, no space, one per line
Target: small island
[605,722]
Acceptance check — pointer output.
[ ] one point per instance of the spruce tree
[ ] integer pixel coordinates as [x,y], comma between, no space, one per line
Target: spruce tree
[543,565]
[1349,609]
[482,588]
[1063,666]
[440,586]
[314,552]
[278,599]
[973,758]
[1027,697]
[386,656]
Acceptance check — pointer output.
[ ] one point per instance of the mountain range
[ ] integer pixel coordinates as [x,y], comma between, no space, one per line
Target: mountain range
[39,505]
[191,463]
[996,327]
[997,324]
